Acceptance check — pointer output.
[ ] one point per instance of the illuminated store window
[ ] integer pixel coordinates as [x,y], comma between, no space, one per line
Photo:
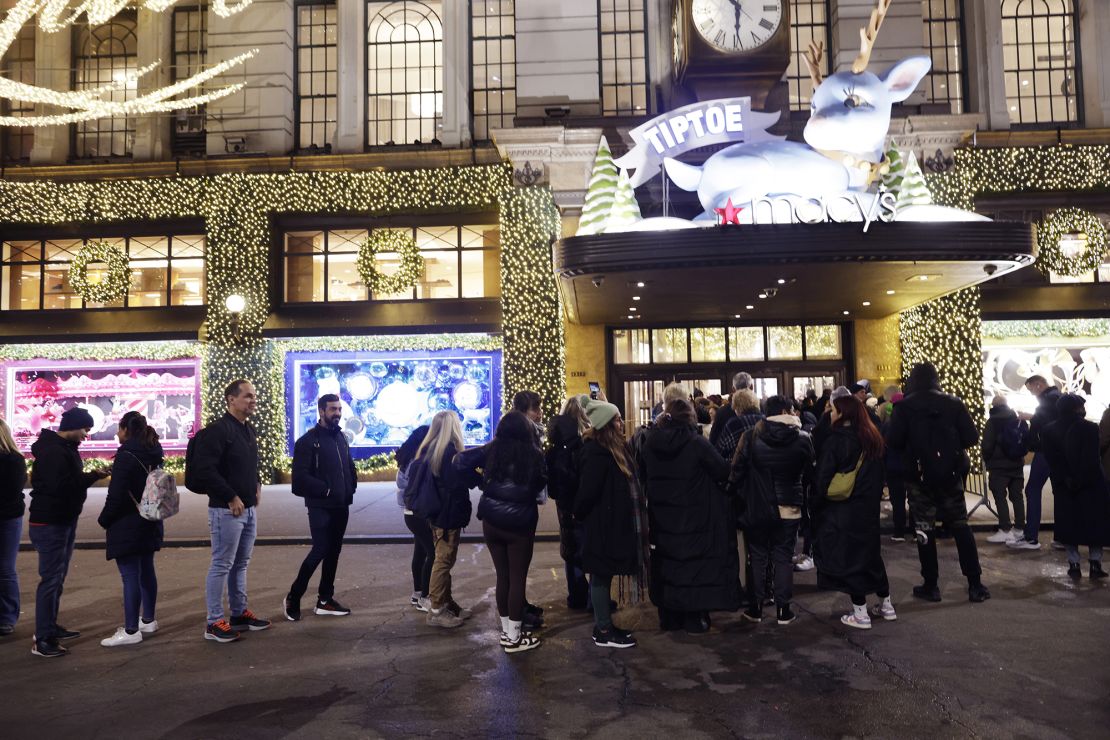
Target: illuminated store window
[731,344]
[106,55]
[189,52]
[669,346]
[746,343]
[823,342]
[809,21]
[631,346]
[493,65]
[707,345]
[315,74]
[459,262]
[1039,61]
[404,75]
[623,41]
[165,271]
[18,65]
[943,20]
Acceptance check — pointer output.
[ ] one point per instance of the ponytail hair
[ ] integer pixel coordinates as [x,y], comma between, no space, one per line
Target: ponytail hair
[138,429]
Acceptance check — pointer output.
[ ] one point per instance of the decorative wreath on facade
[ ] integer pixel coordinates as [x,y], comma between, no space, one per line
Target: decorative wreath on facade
[115,283]
[389,240]
[1057,225]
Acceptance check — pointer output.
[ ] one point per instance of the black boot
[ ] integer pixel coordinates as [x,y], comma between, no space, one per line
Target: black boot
[927,592]
[1074,571]
[1096,569]
[785,615]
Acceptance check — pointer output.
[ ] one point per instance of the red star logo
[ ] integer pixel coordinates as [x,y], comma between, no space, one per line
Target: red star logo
[730,214]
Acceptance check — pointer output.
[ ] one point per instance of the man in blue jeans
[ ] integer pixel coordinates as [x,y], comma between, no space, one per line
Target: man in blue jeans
[58,490]
[1047,396]
[226,470]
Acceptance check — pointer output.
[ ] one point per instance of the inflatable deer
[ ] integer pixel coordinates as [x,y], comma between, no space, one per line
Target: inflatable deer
[846,134]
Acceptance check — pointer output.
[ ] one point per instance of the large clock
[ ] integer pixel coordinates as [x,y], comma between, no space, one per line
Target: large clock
[728,48]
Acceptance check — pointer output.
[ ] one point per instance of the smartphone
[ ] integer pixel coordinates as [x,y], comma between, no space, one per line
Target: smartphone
[595,388]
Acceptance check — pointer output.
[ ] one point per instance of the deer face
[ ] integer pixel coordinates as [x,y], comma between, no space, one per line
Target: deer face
[851,111]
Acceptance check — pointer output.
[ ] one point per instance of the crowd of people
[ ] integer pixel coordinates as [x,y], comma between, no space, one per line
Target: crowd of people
[650,513]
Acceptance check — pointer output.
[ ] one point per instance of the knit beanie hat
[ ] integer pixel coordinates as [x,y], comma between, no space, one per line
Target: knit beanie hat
[583,400]
[840,392]
[600,413]
[76,418]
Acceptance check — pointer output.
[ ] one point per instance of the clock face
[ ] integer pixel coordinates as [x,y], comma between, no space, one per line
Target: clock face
[737,25]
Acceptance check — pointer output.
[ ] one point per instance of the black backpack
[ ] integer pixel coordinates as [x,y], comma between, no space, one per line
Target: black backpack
[1013,439]
[942,461]
[422,496]
[191,481]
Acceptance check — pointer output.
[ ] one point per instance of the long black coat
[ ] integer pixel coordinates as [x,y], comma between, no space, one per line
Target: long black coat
[1082,501]
[695,564]
[126,532]
[13,477]
[604,505]
[847,547]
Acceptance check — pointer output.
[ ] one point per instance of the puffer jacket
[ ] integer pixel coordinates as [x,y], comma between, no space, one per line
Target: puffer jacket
[606,509]
[779,446]
[505,504]
[127,533]
[994,456]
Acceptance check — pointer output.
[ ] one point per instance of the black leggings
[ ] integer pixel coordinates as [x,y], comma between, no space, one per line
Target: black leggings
[423,552]
[512,554]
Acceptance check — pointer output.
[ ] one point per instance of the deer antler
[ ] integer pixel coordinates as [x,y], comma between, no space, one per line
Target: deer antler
[867,36]
[813,58]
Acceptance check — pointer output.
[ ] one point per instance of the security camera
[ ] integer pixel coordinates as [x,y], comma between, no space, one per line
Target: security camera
[235,144]
[598,281]
[771,292]
[990,269]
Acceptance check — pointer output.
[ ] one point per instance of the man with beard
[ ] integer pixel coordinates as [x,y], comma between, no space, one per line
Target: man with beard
[324,476]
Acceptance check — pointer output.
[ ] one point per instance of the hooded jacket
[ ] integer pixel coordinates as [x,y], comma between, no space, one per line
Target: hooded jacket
[505,504]
[564,442]
[127,533]
[930,426]
[13,477]
[1045,414]
[58,484]
[695,564]
[782,449]
[1080,491]
[993,455]
[323,471]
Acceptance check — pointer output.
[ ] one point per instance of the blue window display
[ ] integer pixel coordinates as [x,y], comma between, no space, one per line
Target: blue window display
[385,395]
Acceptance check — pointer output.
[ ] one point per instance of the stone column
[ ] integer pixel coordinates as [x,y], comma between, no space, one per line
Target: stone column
[152,131]
[53,64]
[455,124]
[986,82]
[350,105]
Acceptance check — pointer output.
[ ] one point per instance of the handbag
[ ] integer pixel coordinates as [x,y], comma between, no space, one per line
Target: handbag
[842,484]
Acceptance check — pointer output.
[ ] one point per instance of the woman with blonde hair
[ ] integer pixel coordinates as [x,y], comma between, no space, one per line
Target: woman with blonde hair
[13,477]
[564,440]
[443,441]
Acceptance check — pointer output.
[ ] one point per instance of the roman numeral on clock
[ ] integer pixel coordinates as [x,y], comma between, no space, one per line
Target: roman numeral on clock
[719,39]
[767,24]
[770,8]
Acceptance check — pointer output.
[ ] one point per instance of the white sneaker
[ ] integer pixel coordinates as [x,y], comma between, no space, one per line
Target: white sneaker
[423,603]
[148,628]
[1023,544]
[1016,535]
[122,638]
[805,563]
[1057,545]
[855,620]
[1001,536]
[884,611]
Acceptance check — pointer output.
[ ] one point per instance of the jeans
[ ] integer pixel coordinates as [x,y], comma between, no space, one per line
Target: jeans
[140,588]
[1038,475]
[232,543]
[776,546]
[54,544]
[1002,485]
[1094,553]
[10,531]
[327,527]
[511,553]
[423,553]
[446,551]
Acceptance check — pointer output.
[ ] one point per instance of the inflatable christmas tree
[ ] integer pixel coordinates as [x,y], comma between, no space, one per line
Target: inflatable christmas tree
[626,211]
[601,193]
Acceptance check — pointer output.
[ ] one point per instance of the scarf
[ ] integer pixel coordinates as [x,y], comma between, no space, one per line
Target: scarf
[631,590]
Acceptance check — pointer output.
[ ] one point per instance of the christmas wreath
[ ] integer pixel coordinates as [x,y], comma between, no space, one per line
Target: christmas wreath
[389,240]
[1057,225]
[114,284]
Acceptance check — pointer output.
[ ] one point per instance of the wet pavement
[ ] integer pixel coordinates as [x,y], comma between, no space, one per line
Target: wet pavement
[1030,663]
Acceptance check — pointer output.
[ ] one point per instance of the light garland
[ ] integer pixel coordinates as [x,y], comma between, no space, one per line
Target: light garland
[172,350]
[1055,328]
[389,240]
[1058,224]
[118,273]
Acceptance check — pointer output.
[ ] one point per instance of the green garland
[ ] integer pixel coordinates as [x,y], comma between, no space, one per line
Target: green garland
[172,350]
[1065,328]
[389,240]
[1051,258]
[115,284]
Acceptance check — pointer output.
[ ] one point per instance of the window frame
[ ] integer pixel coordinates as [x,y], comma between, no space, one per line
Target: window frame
[186,142]
[17,68]
[765,327]
[80,132]
[618,112]
[957,105]
[798,51]
[501,65]
[1077,66]
[299,144]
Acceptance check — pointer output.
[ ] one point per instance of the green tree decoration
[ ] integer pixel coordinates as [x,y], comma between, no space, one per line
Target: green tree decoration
[601,192]
[895,171]
[626,211]
[913,190]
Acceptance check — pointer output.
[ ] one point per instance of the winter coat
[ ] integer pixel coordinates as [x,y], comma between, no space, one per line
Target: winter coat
[719,421]
[695,564]
[13,477]
[454,493]
[782,449]
[927,418]
[323,470]
[1104,442]
[504,504]
[226,460]
[734,429]
[605,507]
[407,451]
[893,460]
[994,456]
[58,485]
[847,546]
[564,442]
[127,533]
[1045,414]
[1082,496]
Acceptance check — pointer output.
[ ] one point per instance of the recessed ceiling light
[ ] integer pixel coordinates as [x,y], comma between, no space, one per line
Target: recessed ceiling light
[890,292]
[762,295]
[782,281]
[640,285]
[631,316]
[921,278]
[736,316]
[867,303]
[631,308]
[635,297]
[847,312]
[749,307]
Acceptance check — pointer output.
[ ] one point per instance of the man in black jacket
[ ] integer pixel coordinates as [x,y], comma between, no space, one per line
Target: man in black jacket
[1047,396]
[226,469]
[324,476]
[933,430]
[1005,467]
[59,487]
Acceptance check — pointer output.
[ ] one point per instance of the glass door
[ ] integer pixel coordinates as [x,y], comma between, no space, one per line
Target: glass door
[801,383]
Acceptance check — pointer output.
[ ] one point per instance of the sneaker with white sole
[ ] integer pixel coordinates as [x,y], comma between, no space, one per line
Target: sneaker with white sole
[459,611]
[1057,545]
[506,641]
[613,638]
[885,611]
[443,618]
[805,563]
[1023,544]
[330,608]
[857,621]
[148,628]
[1001,536]
[526,642]
[423,604]
[122,637]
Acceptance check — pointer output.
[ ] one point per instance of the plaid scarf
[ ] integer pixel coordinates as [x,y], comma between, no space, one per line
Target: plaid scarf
[632,589]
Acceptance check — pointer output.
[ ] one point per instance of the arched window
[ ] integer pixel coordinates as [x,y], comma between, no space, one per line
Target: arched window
[107,55]
[404,76]
[1039,60]
[943,41]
